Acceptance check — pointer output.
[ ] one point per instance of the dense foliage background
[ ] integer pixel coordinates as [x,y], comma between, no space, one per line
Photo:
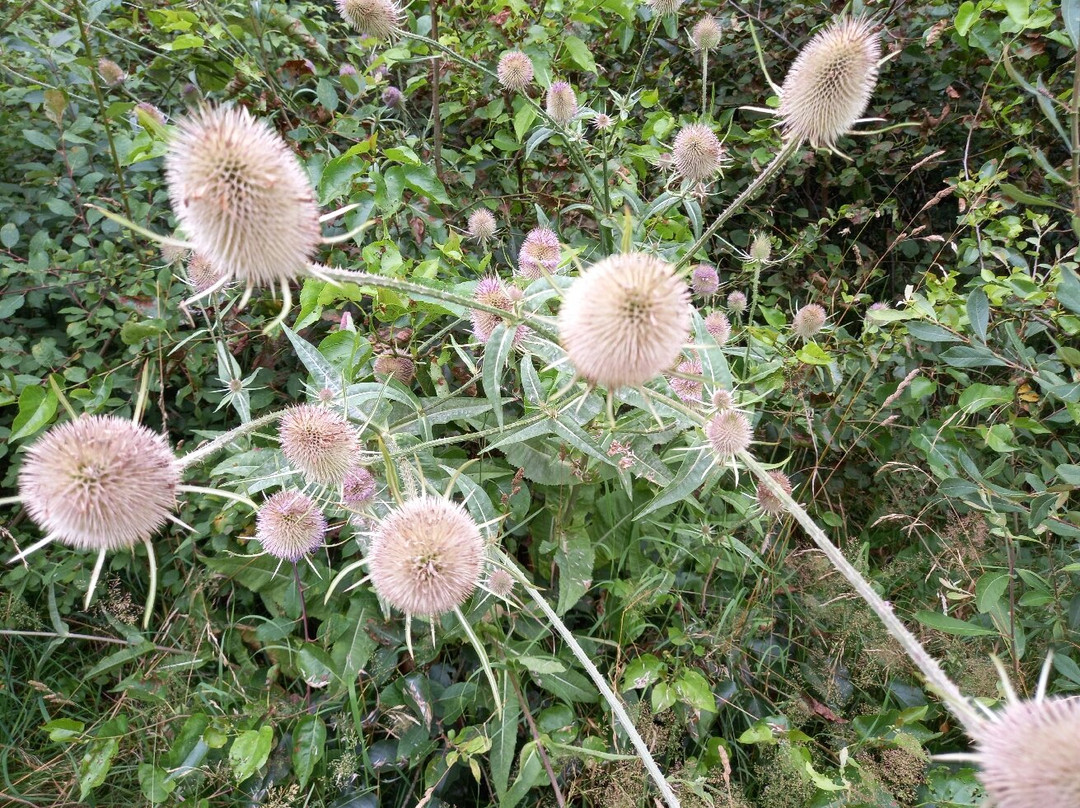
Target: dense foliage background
[936,439]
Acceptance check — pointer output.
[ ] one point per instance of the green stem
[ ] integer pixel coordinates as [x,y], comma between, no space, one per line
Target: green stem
[704,82]
[1075,133]
[613,701]
[786,152]
[641,59]
[219,443]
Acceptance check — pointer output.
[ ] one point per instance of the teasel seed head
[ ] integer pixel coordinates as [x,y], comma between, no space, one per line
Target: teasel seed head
[99,482]
[289,525]
[241,196]
[392,97]
[376,18]
[201,274]
[736,302]
[541,248]
[808,321]
[697,152]
[624,321]
[760,248]
[392,366]
[500,583]
[729,432]
[561,103]
[358,487]
[481,224]
[688,390]
[828,87]
[718,326]
[426,556]
[722,400]
[319,442]
[767,500]
[171,254]
[706,33]
[491,292]
[515,71]
[111,73]
[662,7]
[704,280]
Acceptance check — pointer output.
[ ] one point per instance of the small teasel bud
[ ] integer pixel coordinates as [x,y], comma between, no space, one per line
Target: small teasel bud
[376,18]
[662,7]
[760,248]
[718,326]
[152,112]
[171,254]
[829,85]
[688,390]
[561,103]
[289,525]
[201,273]
[491,292]
[481,224]
[500,583]
[602,122]
[541,249]
[111,73]
[736,302]
[346,70]
[704,280]
[391,366]
[392,97]
[426,556]
[809,321]
[319,442]
[698,153]
[515,71]
[767,500]
[729,432]
[706,33]
[358,487]
[624,321]
[99,482]
[722,400]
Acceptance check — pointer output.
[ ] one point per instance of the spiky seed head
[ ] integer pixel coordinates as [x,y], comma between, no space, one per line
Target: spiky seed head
[688,390]
[697,153]
[718,326]
[541,248]
[201,273]
[426,556]
[491,292]
[760,248]
[289,525]
[376,18]
[481,224]
[391,366]
[346,70]
[704,280]
[1028,754]
[110,72]
[624,321]
[358,488]
[722,400]
[736,302]
[829,85]
[500,582]
[602,121]
[319,442]
[171,254]
[392,97]
[241,196]
[808,321]
[515,71]
[767,500]
[561,103]
[150,111]
[706,33]
[729,432]
[99,482]
[661,7]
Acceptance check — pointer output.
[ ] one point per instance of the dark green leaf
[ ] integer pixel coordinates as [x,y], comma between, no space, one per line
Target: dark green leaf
[978,312]
[309,746]
[37,406]
[950,625]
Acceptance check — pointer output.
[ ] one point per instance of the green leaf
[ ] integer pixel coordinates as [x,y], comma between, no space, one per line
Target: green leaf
[580,53]
[1024,198]
[989,589]
[135,330]
[950,625]
[978,312]
[760,732]
[663,697]
[95,764]
[972,356]
[641,672]
[40,139]
[315,665]
[9,235]
[250,751]
[504,739]
[569,686]
[695,467]
[929,332]
[323,373]
[966,16]
[63,729]
[309,745]
[496,353]
[813,354]
[574,556]
[978,397]
[1070,13]
[693,688]
[353,650]
[1069,473]
[37,406]
[155,783]
[422,179]
[1068,290]
[523,120]
[1019,11]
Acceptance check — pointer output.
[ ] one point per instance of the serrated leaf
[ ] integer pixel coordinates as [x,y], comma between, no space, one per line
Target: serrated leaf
[691,475]
[574,556]
[309,745]
[322,372]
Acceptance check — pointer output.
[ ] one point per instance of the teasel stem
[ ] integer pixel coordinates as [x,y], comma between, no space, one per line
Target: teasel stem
[613,701]
[220,442]
[151,595]
[705,83]
[786,152]
[936,678]
[641,59]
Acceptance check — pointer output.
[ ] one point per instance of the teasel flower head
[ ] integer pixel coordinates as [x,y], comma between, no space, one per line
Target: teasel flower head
[688,390]
[515,71]
[601,122]
[500,583]
[358,487]
[718,326]
[760,248]
[561,103]
[828,87]
[392,366]
[736,302]
[704,280]
[481,224]
[808,321]
[490,291]
[426,556]
[706,33]
[380,19]
[319,442]
[767,500]
[624,321]
[289,525]
[242,197]
[662,7]
[172,254]
[111,73]
[99,482]
[201,274]
[541,249]
[392,97]
[151,112]
[698,153]
[729,432]
[722,400]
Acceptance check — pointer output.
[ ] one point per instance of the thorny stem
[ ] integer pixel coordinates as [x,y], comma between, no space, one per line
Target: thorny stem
[1075,127]
[613,701]
[436,117]
[641,59]
[786,153]
[219,443]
